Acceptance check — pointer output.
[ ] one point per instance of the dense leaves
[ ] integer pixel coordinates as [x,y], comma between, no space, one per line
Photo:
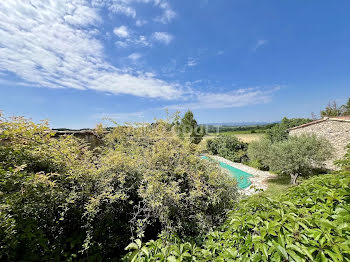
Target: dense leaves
[332,109]
[59,200]
[344,163]
[311,222]
[279,132]
[228,147]
[297,156]
[187,127]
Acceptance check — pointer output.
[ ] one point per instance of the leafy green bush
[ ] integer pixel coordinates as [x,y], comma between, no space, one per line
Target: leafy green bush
[61,201]
[311,222]
[258,153]
[228,147]
[344,163]
[279,132]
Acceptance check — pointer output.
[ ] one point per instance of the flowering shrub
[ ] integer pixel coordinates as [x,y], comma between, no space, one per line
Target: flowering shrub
[60,200]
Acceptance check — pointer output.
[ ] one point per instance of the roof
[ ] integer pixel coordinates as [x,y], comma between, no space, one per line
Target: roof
[333,118]
[75,131]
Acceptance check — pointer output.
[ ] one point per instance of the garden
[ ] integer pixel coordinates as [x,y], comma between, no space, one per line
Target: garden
[145,194]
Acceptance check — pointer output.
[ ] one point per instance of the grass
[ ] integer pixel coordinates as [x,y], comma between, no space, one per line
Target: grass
[244,136]
[247,138]
[277,185]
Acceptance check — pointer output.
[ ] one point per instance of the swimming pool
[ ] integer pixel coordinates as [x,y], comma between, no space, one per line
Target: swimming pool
[241,177]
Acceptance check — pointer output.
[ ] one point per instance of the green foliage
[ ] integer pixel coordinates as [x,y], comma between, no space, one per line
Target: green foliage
[229,147]
[244,129]
[332,109]
[311,222]
[61,201]
[345,109]
[188,127]
[258,153]
[344,163]
[297,156]
[279,132]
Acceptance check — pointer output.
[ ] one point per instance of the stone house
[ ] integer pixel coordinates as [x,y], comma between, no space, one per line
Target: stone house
[335,129]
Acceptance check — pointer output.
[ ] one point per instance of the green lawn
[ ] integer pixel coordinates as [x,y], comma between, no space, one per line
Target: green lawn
[278,185]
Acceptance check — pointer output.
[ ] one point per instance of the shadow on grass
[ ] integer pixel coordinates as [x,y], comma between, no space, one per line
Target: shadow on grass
[279,180]
[277,185]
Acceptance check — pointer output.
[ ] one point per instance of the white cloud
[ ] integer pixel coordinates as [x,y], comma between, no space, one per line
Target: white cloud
[237,98]
[121,31]
[140,22]
[260,43]
[166,17]
[117,6]
[135,116]
[163,37]
[53,44]
[140,41]
[135,56]
[192,62]
[126,7]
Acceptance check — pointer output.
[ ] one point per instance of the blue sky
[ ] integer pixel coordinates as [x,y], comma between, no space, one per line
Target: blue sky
[75,62]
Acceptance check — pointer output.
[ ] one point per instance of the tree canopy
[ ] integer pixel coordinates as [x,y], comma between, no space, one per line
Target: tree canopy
[333,109]
[296,156]
[279,132]
[188,127]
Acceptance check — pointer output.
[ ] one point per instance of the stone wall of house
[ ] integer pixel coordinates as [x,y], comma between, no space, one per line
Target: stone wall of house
[336,132]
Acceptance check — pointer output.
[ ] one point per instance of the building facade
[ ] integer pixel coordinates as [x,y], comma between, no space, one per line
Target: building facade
[335,129]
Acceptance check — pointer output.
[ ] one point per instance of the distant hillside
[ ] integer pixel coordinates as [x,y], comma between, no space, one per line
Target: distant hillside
[236,124]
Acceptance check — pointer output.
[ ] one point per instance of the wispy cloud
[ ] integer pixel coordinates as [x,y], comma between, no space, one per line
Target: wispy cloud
[60,50]
[140,22]
[192,62]
[126,7]
[135,56]
[163,37]
[259,44]
[121,31]
[237,98]
[133,41]
[135,116]
[166,17]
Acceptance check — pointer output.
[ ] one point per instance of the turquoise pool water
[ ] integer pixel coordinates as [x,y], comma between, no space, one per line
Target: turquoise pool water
[241,177]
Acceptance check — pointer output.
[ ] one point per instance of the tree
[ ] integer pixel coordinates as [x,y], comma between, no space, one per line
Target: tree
[279,132]
[332,109]
[258,153]
[298,156]
[229,147]
[345,109]
[188,127]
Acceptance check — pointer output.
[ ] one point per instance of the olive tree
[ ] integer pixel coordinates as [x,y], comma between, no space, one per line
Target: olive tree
[258,153]
[298,155]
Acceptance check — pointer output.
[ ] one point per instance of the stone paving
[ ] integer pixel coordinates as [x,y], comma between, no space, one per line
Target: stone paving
[258,179]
